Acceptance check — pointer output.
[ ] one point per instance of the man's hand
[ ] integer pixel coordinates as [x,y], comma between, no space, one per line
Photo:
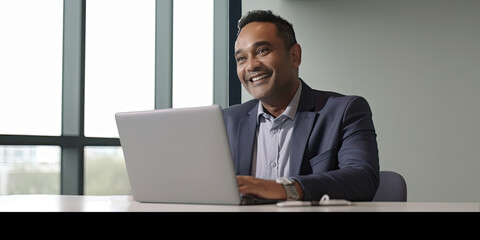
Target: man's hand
[262,188]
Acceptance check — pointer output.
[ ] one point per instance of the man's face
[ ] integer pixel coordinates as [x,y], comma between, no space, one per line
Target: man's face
[264,67]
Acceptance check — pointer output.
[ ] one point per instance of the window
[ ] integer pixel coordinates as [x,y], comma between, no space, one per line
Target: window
[30,93]
[105,171]
[119,76]
[31,66]
[66,67]
[29,170]
[192,53]
[119,62]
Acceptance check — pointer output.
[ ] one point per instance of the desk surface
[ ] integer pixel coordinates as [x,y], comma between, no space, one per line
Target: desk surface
[73,203]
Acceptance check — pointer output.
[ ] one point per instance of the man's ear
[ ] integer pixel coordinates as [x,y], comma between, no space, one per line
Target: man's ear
[296,55]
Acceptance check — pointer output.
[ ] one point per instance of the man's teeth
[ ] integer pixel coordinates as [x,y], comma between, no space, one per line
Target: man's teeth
[260,77]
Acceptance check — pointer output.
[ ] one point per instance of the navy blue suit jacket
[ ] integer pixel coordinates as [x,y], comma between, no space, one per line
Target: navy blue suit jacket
[333,146]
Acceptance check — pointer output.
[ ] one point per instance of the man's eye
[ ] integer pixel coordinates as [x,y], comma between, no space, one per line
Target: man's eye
[240,59]
[262,50]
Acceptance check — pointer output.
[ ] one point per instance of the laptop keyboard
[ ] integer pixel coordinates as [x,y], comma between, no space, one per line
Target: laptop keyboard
[250,200]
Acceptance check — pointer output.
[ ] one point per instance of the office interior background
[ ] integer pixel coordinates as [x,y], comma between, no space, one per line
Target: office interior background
[67,66]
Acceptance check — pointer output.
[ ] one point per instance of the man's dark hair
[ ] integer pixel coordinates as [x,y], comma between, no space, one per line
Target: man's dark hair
[285,28]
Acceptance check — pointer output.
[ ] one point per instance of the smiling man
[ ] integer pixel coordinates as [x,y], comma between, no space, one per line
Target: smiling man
[293,142]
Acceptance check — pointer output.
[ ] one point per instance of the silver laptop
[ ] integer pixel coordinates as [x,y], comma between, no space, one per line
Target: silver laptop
[179,155]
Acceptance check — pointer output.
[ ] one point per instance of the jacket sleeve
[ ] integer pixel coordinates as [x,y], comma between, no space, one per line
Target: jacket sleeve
[357,175]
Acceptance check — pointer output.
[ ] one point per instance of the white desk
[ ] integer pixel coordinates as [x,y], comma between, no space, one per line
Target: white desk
[70,203]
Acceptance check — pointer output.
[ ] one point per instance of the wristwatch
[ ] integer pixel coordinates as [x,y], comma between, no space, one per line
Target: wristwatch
[289,185]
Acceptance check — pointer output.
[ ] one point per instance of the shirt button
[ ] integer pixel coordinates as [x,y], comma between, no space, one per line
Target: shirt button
[274,131]
[273,164]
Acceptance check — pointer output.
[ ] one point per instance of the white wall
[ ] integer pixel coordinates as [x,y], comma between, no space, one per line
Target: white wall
[417,62]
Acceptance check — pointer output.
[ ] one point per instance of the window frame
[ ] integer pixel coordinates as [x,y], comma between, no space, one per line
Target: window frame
[72,141]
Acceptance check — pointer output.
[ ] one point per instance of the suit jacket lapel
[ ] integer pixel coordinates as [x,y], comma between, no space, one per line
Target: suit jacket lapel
[301,131]
[245,142]
[304,122]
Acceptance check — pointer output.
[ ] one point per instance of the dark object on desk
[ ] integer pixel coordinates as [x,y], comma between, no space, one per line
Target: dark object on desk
[393,187]
[250,200]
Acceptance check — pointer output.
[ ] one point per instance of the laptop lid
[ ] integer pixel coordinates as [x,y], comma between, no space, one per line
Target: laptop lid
[178,155]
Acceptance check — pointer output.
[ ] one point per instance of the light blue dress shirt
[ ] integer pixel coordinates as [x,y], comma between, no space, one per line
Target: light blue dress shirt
[271,154]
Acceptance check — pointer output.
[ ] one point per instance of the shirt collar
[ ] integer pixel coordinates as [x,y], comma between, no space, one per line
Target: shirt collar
[291,109]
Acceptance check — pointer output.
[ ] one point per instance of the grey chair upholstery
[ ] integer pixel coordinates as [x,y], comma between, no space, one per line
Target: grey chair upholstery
[392,187]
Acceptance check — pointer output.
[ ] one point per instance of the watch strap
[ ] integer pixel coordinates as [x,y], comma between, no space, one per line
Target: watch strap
[291,191]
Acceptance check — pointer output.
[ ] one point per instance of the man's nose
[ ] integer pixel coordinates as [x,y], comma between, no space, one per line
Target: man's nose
[253,64]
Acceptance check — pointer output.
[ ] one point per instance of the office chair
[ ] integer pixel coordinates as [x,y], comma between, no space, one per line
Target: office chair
[393,187]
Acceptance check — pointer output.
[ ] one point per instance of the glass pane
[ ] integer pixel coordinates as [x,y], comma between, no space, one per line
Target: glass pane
[119,62]
[29,170]
[105,171]
[192,53]
[31,66]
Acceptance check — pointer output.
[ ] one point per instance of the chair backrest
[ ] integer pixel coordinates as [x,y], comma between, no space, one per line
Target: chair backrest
[392,187]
